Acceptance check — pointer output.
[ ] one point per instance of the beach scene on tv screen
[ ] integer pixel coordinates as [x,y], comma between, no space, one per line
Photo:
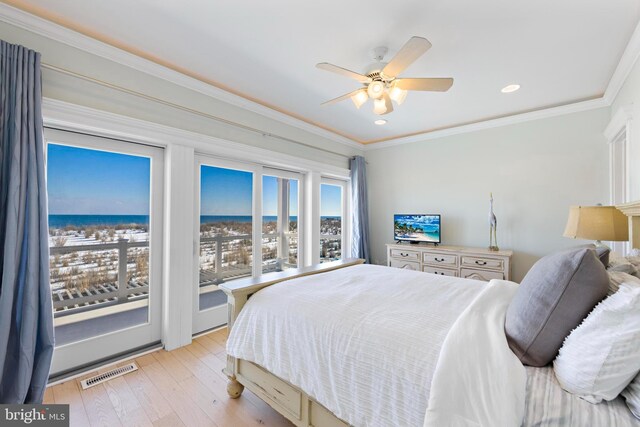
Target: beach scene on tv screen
[420,228]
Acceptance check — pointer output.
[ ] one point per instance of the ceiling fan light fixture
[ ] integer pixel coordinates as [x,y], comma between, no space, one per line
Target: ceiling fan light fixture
[375,89]
[398,95]
[379,106]
[360,98]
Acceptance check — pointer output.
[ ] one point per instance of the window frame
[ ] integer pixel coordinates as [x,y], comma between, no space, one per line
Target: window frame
[181,147]
[216,316]
[66,356]
[345,236]
[300,177]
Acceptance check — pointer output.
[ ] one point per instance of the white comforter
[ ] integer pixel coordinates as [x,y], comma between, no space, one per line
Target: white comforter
[363,341]
[478,380]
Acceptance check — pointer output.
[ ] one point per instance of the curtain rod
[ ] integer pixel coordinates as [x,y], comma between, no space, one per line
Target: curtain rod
[186,109]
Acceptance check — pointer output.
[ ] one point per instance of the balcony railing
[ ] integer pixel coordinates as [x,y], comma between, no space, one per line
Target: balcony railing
[71,300]
[74,299]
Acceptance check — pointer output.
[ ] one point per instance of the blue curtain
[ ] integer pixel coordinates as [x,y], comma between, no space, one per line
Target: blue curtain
[360,210]
[26,314]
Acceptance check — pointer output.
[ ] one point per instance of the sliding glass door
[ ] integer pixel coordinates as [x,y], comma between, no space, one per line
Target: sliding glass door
[249,221]
[225,239]
[105,226]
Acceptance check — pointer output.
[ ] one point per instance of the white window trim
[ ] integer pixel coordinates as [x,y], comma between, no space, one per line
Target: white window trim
[302,219]
[181,148]
[618,136]
[346,214]
[77,353]
[208,318]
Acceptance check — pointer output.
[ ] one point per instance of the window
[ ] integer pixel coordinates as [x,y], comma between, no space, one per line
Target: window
[332,208]
[226,227]
[105,240]
[280,243]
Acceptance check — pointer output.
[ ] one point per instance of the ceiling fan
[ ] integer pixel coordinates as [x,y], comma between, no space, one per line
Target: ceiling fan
[381,82]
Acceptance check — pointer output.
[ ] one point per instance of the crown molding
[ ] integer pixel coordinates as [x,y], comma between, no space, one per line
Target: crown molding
[76,118]
[625,65]
[35,24]
[620,120]
[494,123]
[51,30]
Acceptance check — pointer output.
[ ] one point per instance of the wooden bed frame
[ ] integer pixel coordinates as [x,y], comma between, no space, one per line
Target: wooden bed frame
[287,399]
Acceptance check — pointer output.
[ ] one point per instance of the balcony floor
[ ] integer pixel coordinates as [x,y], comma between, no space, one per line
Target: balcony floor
[101,325]
[96,326]
[184,387]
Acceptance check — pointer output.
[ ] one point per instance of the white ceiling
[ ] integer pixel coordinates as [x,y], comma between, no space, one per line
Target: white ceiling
[558,51]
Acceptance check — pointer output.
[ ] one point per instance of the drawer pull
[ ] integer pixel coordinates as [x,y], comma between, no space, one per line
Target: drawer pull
[403,254]
[439,259]
[481,262]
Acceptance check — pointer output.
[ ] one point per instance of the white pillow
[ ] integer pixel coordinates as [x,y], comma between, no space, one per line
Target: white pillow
[618,277]
[602,355]
[622,264]
[632,395]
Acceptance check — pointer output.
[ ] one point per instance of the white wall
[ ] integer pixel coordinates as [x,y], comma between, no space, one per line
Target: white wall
[60,86]
[535,170]
[629,95]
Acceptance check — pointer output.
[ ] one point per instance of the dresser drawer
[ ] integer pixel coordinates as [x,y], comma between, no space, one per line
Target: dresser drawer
[409,265]
[435,258]
[280,393]
[440,271]
[486,275]
[405,255]
[480,262]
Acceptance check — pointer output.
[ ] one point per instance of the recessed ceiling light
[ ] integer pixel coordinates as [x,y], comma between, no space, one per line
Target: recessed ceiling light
[510,88]
[380,121]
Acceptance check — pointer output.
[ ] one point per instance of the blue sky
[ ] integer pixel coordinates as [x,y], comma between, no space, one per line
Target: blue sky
[83,181]
[228,192]
[330,200]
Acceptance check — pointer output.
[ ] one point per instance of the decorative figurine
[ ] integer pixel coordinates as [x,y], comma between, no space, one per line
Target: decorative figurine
[493,227]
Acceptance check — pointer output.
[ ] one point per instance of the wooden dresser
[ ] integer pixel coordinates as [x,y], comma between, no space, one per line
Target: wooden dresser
[457,261]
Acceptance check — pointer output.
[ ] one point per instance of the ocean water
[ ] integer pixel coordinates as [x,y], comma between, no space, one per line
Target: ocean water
[59,221]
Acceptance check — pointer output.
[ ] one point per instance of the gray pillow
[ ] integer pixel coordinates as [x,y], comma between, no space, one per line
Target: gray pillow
[602,252]
[554,297]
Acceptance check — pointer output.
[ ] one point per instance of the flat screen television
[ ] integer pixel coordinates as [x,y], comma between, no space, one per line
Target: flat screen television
[417,228]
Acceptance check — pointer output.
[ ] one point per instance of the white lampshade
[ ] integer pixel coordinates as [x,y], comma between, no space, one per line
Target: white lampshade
[359,98]
[379,106]
[397,95]
[375,89]
[597,223]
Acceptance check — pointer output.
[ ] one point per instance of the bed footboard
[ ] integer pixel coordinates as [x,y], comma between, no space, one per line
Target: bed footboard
[285,398]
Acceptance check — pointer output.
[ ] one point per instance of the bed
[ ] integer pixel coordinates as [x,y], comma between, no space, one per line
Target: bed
[348,344]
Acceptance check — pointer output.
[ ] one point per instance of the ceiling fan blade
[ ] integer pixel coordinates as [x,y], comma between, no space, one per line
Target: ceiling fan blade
[343,97]
[412,50]
[433,85]
[343,71]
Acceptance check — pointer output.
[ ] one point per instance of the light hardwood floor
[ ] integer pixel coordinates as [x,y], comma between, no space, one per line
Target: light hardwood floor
[184,387]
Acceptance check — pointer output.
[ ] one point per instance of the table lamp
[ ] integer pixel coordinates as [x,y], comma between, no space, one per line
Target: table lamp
[597,223]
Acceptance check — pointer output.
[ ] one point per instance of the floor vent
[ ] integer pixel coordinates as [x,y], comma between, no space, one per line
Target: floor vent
[106,376]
